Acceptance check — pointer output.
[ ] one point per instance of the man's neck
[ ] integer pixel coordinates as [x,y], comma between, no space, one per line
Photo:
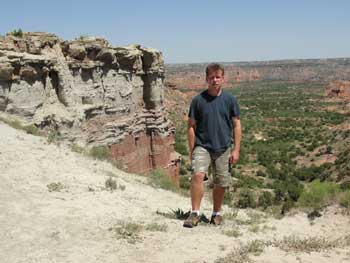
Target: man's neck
[214,92]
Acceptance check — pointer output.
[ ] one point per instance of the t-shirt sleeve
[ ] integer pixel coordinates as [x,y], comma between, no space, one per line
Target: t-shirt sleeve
[235,111]
[192,111]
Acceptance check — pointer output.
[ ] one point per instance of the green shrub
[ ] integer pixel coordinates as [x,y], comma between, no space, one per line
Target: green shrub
[289,188]
[246,198]
[228,198]
[185,182]
[180,135]
[99,152]
[286,206]
[17,33]
[55,187]
[265,199]
[54,136]
[32,129]
[260,173]
[247,181]
[77,148]
[345,199]
[318,194]
[159,178]
[345,185]
[111,184]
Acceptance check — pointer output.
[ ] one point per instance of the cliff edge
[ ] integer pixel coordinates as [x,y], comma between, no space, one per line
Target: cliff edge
[91,93]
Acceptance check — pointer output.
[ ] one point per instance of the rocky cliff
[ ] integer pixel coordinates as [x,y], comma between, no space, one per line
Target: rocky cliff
[339,89]
[91,93]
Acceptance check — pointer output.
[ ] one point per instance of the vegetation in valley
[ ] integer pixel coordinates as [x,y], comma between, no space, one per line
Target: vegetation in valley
[295,151]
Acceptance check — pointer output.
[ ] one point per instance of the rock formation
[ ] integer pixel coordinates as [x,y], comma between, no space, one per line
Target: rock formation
[92,93]
[339,89]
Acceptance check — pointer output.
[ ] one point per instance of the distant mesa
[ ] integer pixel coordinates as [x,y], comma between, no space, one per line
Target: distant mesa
[192,76]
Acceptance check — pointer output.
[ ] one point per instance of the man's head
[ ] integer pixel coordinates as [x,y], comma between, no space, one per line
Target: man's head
[215,75]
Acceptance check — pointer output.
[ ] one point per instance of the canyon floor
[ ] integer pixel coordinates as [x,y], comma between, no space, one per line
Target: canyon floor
[55,208]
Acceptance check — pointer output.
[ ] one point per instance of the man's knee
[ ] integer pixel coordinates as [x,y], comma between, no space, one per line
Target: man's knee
[198,177]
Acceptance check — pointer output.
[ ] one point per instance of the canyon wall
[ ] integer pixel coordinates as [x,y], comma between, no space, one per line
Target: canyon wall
[91,93]
[302,70]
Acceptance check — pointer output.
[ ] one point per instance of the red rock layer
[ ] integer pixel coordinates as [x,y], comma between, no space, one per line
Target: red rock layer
[339,89]
[147,152]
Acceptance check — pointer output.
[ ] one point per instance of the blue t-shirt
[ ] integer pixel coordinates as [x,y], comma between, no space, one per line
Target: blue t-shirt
[213,116]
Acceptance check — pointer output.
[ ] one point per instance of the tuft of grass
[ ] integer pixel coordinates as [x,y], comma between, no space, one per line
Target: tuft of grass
[241,255]
[55,187]
[181,215]
[309,244]
[287,244]
[232,233]
[112,185]
[30,129]
[175,214]
[128,230]
[54,136]
[159,179]
[99,152]
[77,148]
[155,227]
[131,231]
[344,199]
[254,228]
[231,215]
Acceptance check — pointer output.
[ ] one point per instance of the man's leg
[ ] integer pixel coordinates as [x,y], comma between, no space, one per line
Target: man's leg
[197,190]
[221,182]
[218,197]
[200,163]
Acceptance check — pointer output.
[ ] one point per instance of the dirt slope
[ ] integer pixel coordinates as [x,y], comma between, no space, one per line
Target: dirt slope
[83,222]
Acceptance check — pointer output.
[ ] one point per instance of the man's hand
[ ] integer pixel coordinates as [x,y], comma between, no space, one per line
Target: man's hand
[234,157]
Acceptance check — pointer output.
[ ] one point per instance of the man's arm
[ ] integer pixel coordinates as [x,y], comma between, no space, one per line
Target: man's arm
[237,135]
[191,136]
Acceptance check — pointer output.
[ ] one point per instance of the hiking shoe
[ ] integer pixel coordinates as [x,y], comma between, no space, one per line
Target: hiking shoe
[192,220]
[216,220]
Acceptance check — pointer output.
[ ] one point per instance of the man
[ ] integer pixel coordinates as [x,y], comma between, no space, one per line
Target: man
[214,118]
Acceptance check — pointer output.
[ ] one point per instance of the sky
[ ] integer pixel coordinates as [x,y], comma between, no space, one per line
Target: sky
[194,31]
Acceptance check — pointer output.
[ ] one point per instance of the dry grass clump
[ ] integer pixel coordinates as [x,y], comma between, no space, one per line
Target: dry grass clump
[310,244]
[287,244]
[232,233]
[112,185]
[155,227]
[30,129]
[55,187]
[131,231]
[241,255]
[128,231]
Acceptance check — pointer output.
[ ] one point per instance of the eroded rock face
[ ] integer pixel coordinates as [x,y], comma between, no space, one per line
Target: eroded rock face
[92,93]
[339,89]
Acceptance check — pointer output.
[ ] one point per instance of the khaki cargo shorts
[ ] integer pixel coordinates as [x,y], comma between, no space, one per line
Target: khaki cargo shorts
[221,169]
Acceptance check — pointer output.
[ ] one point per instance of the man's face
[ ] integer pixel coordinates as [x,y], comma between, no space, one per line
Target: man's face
[215,79]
